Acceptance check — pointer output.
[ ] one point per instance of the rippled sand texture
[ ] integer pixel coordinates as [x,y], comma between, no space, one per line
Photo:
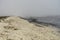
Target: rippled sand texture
[15,28]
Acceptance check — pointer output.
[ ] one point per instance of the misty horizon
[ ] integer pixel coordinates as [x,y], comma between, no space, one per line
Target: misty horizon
[29,7]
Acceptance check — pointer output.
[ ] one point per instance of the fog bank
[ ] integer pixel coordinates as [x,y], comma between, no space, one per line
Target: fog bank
[29,7]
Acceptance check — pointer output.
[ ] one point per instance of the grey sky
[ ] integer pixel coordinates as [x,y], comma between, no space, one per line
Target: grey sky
[30,7]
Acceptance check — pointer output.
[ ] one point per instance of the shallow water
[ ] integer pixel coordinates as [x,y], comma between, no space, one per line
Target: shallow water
[52,20]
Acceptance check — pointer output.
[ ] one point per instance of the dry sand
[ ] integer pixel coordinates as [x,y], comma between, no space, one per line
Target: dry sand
[15,28]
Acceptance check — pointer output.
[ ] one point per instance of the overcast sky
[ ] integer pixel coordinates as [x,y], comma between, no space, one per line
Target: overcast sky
[30,7]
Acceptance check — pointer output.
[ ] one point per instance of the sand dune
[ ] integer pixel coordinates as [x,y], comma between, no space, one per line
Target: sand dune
[15,28]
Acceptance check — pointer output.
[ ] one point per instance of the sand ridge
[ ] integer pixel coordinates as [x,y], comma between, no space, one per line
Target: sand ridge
[15,28]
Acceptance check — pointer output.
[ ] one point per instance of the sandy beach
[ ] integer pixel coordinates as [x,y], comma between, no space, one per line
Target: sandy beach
[16,28]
